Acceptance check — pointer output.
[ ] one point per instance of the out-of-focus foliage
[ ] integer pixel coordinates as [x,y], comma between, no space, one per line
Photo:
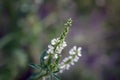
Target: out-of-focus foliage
[26,27]
[19,28]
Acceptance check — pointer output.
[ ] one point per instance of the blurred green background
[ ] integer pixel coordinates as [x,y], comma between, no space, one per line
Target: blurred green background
[27,26]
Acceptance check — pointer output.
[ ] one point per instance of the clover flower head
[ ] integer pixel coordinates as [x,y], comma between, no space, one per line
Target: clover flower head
[75,53]
[55,48]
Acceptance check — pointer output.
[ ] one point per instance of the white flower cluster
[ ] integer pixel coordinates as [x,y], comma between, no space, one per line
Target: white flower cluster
[75,53]
[55,48]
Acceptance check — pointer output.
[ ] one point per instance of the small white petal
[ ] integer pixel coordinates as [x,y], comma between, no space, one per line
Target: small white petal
[79,48]
[61,71]
[62,67]
[53,42]
[50,51]
[74,48]
[56,56]
[46,57]
[71,52]
[76,59]
[64,44]
[67,67]
[79,54]
[50,47]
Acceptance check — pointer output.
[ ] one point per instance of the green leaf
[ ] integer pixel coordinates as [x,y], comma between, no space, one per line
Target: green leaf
[49,60]
[56,71]
[42,57]
[35,76]
[35,66]
[57,77]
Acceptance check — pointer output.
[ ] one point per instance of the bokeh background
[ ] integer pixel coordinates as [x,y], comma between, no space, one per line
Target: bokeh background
[27,26]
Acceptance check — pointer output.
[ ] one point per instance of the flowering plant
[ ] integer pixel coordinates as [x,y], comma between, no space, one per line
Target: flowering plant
[50,64]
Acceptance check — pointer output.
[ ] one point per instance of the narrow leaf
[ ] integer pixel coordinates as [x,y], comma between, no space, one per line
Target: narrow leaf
[34,76]
[57,77]
[35,66]
[42,56]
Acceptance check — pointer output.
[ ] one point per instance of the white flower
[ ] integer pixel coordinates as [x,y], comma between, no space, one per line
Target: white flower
[76,58]
[72,51]
[56,56]
[64,44]
[75,53]
[56,47]
[46,57]
[79,51]
[72,63]
[65,60]
[54,41]
[61,71]
[67,66]
[50,49]
[60,47]
[62,67]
